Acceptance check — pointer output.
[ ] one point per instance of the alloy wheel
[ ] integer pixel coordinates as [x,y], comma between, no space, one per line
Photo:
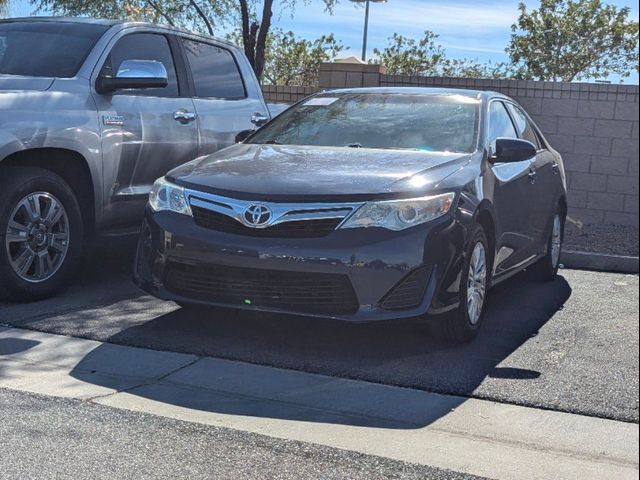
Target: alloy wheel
[477,283]
[37,237]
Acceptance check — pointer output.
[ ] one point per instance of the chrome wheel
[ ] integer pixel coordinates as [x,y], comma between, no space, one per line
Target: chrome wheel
[477,283]
[37,237]
[556,241]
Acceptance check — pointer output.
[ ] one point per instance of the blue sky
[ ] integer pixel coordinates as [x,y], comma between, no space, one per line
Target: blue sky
[479,30]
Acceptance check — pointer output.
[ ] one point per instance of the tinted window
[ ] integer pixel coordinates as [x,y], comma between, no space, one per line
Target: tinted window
[500,124]
[144,46]
[420,122]
[46,49]
[525,129]
[214,71]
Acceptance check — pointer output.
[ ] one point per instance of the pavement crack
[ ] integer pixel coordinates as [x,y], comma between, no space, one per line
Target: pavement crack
[152,381]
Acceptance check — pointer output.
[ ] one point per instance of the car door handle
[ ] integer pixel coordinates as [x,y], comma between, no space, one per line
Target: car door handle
[259,119]
[184,116]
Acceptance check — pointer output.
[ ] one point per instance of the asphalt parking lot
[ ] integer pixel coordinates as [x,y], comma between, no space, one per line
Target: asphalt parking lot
[571,345]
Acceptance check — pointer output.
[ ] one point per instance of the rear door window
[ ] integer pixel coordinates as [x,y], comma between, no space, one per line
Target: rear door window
[214,71]
[144,46]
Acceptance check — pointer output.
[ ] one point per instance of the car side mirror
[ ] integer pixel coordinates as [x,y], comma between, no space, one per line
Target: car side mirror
[513,150]
[134,74]
[243,135]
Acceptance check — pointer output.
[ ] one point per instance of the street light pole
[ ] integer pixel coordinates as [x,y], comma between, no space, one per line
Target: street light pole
[366,24]
[366,31]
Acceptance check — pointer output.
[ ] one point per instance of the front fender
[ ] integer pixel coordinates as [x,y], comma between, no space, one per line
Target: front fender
[65,120]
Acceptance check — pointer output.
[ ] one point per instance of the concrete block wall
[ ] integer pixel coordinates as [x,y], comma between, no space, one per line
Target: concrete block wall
[594,126]
[286,94]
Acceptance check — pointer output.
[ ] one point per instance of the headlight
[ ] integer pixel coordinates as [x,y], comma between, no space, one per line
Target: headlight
[400,214]
[167,196]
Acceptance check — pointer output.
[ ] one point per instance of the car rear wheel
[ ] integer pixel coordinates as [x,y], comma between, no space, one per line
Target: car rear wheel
[463,324]
[40,233]
[547,267]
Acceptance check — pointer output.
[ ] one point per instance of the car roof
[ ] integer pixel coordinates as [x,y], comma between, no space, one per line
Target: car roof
[111,23]
[477,94]
[86,20]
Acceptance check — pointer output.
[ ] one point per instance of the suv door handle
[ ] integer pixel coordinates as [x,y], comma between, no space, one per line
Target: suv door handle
[184,116]
[259,119]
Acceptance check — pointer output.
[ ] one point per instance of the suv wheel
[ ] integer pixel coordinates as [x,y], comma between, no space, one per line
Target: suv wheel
[463,324]
[40,233]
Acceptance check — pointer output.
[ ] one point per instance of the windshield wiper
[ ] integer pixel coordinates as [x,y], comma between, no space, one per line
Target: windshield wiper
[354,145]
[272,142]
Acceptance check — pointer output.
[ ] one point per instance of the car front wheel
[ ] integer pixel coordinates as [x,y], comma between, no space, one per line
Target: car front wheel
[462,324]
[40,233]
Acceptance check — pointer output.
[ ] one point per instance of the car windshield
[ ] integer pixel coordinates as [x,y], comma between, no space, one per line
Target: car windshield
[429,122]
[46,49]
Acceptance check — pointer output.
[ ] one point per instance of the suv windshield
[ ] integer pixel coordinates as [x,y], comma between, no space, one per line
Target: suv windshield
[430,122]
[46,49]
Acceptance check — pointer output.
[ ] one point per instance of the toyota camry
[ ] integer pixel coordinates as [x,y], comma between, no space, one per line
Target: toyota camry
[362,205]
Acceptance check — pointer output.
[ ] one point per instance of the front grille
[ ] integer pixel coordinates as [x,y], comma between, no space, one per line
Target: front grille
[316,293]
[409,292]
[294,229]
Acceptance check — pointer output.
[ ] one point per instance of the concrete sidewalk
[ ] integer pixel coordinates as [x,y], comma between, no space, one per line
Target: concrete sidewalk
[467,435]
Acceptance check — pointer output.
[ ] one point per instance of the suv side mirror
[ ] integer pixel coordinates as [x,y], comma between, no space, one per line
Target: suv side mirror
[135,74]
[243,135]
[513,150]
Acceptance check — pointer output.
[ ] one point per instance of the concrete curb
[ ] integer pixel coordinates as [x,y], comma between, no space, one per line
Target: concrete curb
[601,262]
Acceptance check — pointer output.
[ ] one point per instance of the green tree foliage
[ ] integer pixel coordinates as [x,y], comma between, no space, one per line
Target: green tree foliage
[190,14]
[4,8]
[253,16]
[566,40]
[295,61]
[406,56]
[465,68]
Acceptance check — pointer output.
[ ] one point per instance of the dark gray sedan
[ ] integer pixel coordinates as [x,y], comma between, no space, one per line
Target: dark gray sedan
[361,205]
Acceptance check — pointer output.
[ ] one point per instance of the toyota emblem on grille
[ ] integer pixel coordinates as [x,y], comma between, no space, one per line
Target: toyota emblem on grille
[257,215]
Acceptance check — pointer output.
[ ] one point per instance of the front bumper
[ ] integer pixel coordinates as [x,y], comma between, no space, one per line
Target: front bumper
[374,274]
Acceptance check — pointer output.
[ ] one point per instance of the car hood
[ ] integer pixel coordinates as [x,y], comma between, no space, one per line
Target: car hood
[10,83]
[274,172]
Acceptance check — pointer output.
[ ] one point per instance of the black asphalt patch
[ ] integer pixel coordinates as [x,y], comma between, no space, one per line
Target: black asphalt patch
[569,345]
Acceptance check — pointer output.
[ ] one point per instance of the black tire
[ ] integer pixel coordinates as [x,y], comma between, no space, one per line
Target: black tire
[16,183]
[546,269]
[456,326]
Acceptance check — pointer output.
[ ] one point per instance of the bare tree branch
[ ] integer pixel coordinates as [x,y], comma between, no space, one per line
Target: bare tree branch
[247,39]
[161,12]
[202,15]
[265,25]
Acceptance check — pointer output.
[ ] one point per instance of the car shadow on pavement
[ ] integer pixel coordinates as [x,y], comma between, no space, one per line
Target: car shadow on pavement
[389,353]
[11,346]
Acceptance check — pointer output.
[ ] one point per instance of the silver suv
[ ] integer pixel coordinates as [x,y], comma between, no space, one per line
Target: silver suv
[91,113]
